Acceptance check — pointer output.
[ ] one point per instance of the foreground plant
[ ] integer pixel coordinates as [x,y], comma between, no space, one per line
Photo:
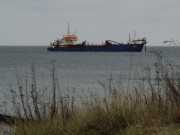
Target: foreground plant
[151,107]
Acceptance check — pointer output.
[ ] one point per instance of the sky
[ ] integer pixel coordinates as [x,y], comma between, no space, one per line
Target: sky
[39,22]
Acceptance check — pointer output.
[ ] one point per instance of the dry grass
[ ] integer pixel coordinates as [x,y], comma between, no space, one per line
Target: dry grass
[151,107]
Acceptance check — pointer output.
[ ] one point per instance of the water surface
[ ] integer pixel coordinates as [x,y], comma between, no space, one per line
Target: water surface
[75,70]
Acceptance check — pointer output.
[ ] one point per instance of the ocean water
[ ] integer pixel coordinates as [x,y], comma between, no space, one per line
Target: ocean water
[75,70]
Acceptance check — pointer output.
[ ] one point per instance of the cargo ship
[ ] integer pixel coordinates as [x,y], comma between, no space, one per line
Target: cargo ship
[68,43]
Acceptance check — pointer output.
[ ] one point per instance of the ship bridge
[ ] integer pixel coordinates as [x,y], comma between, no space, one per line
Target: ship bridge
[69,40]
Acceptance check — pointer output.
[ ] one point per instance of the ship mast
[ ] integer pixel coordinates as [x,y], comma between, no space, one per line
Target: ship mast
[134,35]
[68,31]
[129,38]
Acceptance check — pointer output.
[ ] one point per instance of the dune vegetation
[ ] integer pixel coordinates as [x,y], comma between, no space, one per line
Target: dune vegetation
[151,106]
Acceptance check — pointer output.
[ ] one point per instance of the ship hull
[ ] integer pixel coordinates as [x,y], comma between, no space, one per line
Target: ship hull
[104,48]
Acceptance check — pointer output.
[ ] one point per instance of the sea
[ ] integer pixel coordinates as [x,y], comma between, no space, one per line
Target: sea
[75,70]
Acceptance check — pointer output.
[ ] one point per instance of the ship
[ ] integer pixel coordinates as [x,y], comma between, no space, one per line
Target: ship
[68,43]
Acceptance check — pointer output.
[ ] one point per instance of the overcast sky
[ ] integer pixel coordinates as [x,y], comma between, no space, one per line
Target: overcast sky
[39,22]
